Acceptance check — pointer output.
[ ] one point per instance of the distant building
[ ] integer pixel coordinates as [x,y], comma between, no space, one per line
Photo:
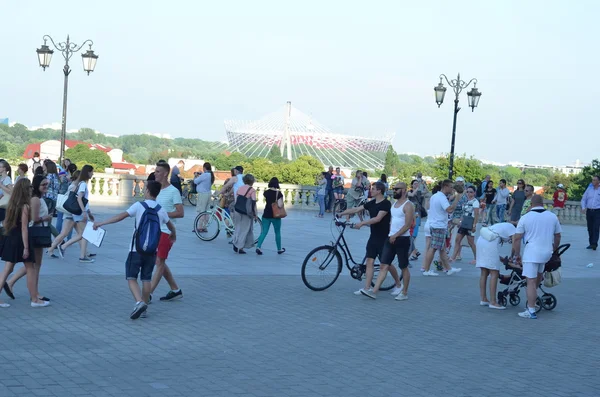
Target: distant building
[51,150]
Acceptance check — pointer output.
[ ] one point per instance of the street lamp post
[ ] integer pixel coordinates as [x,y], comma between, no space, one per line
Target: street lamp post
[67,49]
[457,86]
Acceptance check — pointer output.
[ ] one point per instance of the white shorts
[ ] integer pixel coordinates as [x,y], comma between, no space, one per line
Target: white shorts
[531,270]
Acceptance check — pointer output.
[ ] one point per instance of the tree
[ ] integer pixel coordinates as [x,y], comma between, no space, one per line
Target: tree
[275,155]
[468,167]
[302,171]
[81,155]
[583,180]
[555,179]
[392,162]
[262,169]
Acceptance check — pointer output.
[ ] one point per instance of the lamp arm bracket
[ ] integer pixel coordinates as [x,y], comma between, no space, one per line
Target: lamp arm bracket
[67,48]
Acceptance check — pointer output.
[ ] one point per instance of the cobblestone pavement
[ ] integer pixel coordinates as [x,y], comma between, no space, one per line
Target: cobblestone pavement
[247,326]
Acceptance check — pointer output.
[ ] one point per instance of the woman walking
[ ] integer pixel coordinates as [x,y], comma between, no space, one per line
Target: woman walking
[490,193]
[416,197]
[67,224]
[204,183]
[81,188]
[6,185]
[16,245]
[243,236]
[65,179]
[321,191]
[40,217]
[273,195]
[468,225]
[516,204]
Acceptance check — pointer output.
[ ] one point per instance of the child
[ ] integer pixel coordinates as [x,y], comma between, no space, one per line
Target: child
[140,262]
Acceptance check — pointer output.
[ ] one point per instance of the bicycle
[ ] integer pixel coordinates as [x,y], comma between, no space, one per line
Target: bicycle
[330,267]
[189,193]
[208,224]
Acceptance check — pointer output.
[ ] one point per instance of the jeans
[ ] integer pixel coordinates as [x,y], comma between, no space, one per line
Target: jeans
[329,199]
[593,225]
[266,224]
[321,198]
[59,222]
[491,209]
[417,225]
[500,212]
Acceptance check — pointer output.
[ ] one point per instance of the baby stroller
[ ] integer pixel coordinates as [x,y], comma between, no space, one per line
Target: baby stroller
[515,282]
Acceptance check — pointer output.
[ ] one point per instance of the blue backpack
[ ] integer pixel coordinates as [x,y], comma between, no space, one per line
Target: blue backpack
[147,233]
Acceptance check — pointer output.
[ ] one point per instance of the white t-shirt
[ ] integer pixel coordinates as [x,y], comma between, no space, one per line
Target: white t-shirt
[168,198]
[538,229]
[502,196]
[398,219]
[6,182]
[137,210]
[83,188]
[438,216]
[469,208]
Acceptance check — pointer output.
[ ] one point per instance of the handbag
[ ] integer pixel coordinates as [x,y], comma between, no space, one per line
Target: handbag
[72,205]
[4,200]
[279,211]
[488,234]
[40,236]
[60,201]
[467,222]
[552,279]
[244,204]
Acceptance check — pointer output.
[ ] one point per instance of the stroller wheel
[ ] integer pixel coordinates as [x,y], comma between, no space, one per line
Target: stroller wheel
[514,300]
[502,300]
[548,301]
[538,304]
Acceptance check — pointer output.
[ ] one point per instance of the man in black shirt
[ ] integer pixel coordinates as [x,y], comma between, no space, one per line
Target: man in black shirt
[329,190]
[379,214]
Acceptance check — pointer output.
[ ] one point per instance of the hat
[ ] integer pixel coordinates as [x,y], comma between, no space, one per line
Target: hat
[561,186]
[239,168]
[460,179]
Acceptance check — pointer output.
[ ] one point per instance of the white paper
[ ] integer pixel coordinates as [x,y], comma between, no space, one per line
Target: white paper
[95,237]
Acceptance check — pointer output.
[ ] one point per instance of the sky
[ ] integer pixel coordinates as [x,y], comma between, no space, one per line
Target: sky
[368,68]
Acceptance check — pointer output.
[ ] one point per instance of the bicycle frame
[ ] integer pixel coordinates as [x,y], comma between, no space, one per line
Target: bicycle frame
[342,246]
[222,216]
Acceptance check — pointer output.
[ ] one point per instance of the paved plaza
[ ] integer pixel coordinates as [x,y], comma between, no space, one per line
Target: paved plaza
[247,326]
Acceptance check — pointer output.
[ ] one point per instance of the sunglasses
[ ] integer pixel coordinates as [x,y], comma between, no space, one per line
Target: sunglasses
[398,188]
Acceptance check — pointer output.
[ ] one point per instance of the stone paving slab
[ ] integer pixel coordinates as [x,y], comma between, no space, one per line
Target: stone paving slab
[301,233]
[268,335]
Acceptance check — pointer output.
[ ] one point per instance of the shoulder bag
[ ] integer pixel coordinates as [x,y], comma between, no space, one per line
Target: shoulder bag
[244,204]
[40,236]
[278,207]
[72,205]
[467,222]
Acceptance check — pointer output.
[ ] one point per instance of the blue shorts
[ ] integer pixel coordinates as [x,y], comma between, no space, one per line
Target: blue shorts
[141,265]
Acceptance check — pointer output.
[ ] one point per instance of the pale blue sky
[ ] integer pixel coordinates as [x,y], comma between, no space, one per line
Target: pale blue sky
[182,67]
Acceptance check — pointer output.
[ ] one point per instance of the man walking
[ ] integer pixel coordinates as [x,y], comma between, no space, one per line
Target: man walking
[439,208]
[379,212]
[540,230]
[500,200]
[398,243]
[169,199]
[590,206]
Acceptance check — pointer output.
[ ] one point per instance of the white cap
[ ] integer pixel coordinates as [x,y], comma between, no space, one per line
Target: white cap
[561,186]
[460,179]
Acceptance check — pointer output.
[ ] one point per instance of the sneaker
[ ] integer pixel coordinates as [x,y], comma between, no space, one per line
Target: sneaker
[150,299]
[144,314]
[396,291]
[453,270]
[61,251]
[430,273]
[368,293]
[401,297]
[43,304]
[528,314]
[172,295]
[483,303]
[359,293]
[138,309]
[497,307]
[86,260]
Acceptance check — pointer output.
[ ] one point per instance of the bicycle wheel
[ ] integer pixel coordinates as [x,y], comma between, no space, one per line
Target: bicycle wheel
[192,198]
[257,229]
[207,226]
[389,282]
[321,267]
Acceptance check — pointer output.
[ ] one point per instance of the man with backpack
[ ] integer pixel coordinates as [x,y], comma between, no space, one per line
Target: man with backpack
[149,218]
[35,162]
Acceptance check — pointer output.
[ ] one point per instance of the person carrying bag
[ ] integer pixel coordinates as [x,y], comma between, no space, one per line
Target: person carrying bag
[273,214]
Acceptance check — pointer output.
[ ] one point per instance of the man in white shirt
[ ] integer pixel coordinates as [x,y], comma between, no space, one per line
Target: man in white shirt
[540,229]
[502,194]
[439,209]
[169,199]
[138,264]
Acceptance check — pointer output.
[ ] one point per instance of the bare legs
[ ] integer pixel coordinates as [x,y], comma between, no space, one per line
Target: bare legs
[8,269]
[457,246]
[162,270]
[142,295]
[16,276]
[383,270]
[494,275]
[67,226]
[80,227]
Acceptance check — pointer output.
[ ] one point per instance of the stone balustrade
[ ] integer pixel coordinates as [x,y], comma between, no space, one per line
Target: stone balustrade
[124,189]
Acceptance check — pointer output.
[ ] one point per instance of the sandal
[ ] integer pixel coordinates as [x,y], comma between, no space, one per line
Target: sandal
[8,291]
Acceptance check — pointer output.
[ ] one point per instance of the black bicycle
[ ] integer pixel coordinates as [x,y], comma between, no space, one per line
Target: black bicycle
[323,265]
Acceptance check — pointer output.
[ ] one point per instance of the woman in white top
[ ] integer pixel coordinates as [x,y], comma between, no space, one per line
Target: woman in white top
[81,186]
[6,185]
[470,212]
[488,259]
[39,217]
[204,183]
[67,224]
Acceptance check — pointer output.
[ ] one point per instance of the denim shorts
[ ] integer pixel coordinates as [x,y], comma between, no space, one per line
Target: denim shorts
[141,265]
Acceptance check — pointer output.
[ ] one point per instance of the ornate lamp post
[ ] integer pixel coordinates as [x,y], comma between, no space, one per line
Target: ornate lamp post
[457,86]
[67,49]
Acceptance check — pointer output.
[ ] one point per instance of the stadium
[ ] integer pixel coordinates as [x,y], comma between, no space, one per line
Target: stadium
[296,134]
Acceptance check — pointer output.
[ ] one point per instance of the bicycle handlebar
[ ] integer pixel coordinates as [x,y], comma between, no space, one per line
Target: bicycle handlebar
[340,222]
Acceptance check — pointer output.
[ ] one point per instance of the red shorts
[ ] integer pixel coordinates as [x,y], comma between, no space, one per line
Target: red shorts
[164,246]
